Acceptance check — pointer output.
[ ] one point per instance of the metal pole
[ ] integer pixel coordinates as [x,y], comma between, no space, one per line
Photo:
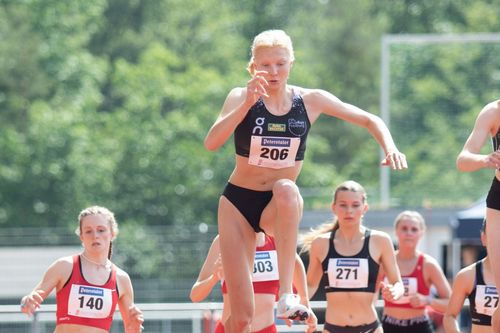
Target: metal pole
[387,40]
[385,180]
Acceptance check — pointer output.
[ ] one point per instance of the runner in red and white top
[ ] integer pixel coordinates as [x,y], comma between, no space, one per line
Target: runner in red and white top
[265,284]
[88,285]
[419,271]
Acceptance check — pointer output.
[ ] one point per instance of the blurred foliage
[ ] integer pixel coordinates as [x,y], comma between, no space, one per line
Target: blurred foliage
[108,101]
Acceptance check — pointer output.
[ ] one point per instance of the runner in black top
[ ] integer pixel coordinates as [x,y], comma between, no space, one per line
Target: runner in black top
[476,283]
[471,159]
[261,193]
[350,255]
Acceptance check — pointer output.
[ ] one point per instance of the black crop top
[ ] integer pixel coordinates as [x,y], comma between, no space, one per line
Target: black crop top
[273,141]
[483,299]
[350,273]
[496,140]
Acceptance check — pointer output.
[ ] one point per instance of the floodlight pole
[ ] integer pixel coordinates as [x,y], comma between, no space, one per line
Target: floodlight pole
[387,41]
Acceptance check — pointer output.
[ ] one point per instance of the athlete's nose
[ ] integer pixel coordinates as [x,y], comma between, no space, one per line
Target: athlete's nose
[273,70]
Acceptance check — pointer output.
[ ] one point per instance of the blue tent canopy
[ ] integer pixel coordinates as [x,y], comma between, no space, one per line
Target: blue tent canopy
[468,222]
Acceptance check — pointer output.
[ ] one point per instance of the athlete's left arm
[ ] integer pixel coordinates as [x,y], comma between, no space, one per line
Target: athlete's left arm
[319,101]
[394,289]
[299,280]
[437,279]
[300,283]
[131,315]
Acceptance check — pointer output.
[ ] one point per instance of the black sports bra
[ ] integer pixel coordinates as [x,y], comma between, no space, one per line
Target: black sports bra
[350,273]
[483,299]
[273,132]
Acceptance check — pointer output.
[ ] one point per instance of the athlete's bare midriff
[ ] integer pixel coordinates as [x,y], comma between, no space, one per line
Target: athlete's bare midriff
[357,308]
[259,178]
[481,329]
[72,328]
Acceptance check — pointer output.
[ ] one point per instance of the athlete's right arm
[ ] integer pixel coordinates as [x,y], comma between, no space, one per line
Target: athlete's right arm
[235,108]
[52,277]
[315,269]
[210,273]
[462,286]
[471,158]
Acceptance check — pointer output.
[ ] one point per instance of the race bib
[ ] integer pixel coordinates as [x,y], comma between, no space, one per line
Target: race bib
[348,273]
[89,301]
[273,152]
[486,299]
[265,266]
[410,284]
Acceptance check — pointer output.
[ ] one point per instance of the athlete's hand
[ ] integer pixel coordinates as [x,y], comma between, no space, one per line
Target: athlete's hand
[30,303]
[135,320]
[390,292]
[493,160]
[256,87]
[396,160]
[419,300]
[218,270]
[311,322]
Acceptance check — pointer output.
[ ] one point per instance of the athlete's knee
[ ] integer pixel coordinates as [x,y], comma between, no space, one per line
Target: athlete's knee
[241,319]
[286,192]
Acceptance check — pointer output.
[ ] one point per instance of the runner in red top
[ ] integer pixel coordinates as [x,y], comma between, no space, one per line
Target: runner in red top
[83,303]
[265,284]
[88,284]
[419,272]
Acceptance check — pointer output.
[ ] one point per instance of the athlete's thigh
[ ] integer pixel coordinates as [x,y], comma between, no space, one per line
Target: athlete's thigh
[237,243]
[284,188]
[493,240]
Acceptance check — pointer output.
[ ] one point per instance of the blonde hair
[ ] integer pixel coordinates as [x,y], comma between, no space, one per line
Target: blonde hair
[108,215]
[270,38]
[347,186]
[410,215]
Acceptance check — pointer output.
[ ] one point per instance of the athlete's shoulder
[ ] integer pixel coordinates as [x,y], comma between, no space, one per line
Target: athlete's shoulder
[311,94]
[492,106]
[429,260]
[321,241]
[490,111]
[61,268]
[379,235]
[63,262]
[121,274]
[463,283]
[467,273]
[237,92]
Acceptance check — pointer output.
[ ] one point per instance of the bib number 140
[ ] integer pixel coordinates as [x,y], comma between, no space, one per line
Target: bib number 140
[91,303]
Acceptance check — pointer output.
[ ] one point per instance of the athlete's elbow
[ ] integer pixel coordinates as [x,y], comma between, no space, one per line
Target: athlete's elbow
[461,164]
[194,297]
[210,145]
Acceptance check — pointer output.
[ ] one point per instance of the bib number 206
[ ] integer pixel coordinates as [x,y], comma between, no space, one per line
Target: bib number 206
[274,153]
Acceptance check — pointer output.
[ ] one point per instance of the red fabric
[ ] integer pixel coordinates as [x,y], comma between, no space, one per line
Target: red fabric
[269,329]
[422,288]
[263,287]
[219,328]
[62,298]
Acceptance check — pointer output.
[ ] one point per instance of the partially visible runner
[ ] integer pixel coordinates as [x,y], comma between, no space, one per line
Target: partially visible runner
[265,284]
[476,283]
[419,272]
[270,120]
[470,159]
[88,285]
[348,256]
